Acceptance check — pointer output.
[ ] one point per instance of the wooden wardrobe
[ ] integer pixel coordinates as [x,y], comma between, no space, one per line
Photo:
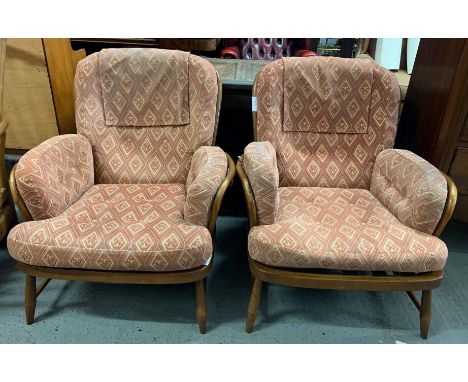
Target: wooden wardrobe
[434,120]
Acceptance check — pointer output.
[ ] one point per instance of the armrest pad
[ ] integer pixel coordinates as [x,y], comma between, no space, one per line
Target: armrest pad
[261,168]
[207,171]
[410,188]
[55,174]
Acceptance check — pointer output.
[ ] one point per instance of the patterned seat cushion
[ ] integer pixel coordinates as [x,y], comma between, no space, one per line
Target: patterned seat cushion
[118,227]
[346,229]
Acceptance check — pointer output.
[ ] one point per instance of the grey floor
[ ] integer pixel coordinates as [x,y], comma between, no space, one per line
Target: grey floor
[77,312]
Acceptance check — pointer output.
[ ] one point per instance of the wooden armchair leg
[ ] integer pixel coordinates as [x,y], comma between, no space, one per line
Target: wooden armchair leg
[425,313]
[253,304]
[201,305]
[30,299]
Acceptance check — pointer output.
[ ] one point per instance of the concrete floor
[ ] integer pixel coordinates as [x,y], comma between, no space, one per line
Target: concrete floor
[77,312]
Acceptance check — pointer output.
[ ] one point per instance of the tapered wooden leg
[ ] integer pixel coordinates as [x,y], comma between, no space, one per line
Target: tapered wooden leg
[30,299]
[253,304]
[425,313]
[201,305]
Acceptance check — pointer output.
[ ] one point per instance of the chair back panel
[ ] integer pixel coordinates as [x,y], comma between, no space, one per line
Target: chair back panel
[145,112]
[327,117]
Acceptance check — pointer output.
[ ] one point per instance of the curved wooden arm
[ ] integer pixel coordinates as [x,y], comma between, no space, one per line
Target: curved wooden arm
[249,198]
[17,197]
[220,195]
[449,205]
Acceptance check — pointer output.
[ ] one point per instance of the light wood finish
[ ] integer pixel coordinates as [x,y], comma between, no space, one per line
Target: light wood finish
[414,299]
[196,275]
[220,195]
[28,105]
[61,64]
[248,194]
[30,299]
[425,313]
[201,304]
[44,283]
[320,279]
[253,304]
[424,308]
[450,203]
[303,278]
[117,277]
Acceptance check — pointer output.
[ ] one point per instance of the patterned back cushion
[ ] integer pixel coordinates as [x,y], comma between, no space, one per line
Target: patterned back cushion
[145,112]
[328,118]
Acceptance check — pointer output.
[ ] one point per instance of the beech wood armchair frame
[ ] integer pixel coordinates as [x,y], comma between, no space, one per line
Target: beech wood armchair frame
[347,280]
[196,275]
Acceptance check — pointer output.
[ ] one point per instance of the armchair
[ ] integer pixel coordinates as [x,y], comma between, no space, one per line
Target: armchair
[331,204]
[134,196]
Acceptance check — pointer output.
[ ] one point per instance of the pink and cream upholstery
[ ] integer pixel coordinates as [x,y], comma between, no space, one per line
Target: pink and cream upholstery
[347,229]
[144,115]
[55,175]
[327,118]
[134,227]
[133,190]
[329,189]
[411,188]
[207,171]
[261,167]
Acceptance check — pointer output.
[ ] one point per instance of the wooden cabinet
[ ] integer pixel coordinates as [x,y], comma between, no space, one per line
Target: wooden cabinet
[28,104]
[434,119]
[464,134]
[38,90]
[7,209]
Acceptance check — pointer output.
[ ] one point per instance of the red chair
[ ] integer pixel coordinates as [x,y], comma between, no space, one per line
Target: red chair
[264,48]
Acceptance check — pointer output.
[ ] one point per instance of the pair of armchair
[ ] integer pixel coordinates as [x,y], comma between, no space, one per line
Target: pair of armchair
[134,196]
